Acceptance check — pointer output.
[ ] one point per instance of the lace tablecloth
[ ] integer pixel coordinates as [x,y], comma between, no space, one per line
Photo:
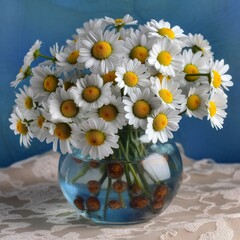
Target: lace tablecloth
[207,206]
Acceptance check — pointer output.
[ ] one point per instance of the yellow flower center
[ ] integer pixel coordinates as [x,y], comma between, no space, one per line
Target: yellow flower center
[164,58]
[73,56]
[141,109]
[28,103]
[69,108]
[212,108]
[166,32]
[216,79]
[62,131]
[160,122]
[193,102]
[21,127]
[130,79]
[140,53]
[40,121]
[118,21]
[95,137]
[91,93]
[191,69]
[108,112]
[101,50]
[166,95]
[50,83]
[109,77]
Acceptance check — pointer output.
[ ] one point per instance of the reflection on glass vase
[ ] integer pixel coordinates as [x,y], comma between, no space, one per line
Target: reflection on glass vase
[133,185]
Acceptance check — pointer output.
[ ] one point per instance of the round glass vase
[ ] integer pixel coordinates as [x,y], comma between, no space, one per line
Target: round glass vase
[133,185]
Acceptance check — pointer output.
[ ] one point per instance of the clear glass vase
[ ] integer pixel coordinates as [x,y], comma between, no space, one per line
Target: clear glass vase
[133,185]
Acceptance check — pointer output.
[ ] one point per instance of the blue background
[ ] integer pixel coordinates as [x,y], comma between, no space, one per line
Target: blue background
[24,21]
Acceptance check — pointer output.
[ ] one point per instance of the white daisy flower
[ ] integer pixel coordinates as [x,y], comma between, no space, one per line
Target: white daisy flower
[68,59]
[169,92]
[121,22]
[45,80]
[217,104]
[33,52]
[62,136]
[38,128]
[165,57]
[113,112]
[194,64]
[90,92]
[218,77]
[20,126]
[161,125]
[54,50]
[25,72]
[101,49]
[163,30]
[63,107]
[91,25]
[139,106]
[137,46]
[96,138]
[26,102]
[196,102]
[197,43]
[132,74]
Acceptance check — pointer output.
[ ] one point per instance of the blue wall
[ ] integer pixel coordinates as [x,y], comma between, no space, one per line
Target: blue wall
[24,21]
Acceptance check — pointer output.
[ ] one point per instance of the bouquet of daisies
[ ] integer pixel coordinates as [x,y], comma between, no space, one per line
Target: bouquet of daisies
[115,75]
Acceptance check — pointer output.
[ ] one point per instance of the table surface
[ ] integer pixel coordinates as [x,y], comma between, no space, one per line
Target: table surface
[32,206]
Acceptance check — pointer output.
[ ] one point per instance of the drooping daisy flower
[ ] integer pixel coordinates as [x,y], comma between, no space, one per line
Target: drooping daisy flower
[216,108]
[169,92]
[33,52]
[121,22]
[25,72]
[96,138]
[197,43]
[101,49]
[45,80]
[196,102]
[218,77]
[165,57]
[68,59]
[161,125]
[163,30]
[90,92]
[64,108]
[132,74]
[137,46]
[26,102]
[61,136]
[139,106]
[113,112]
[21,127]
[194,64]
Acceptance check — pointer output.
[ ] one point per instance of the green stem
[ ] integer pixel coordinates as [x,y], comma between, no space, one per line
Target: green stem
[197,74]
[107,196]
[45,56]
[123,205]
[104,176]
[81,173]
